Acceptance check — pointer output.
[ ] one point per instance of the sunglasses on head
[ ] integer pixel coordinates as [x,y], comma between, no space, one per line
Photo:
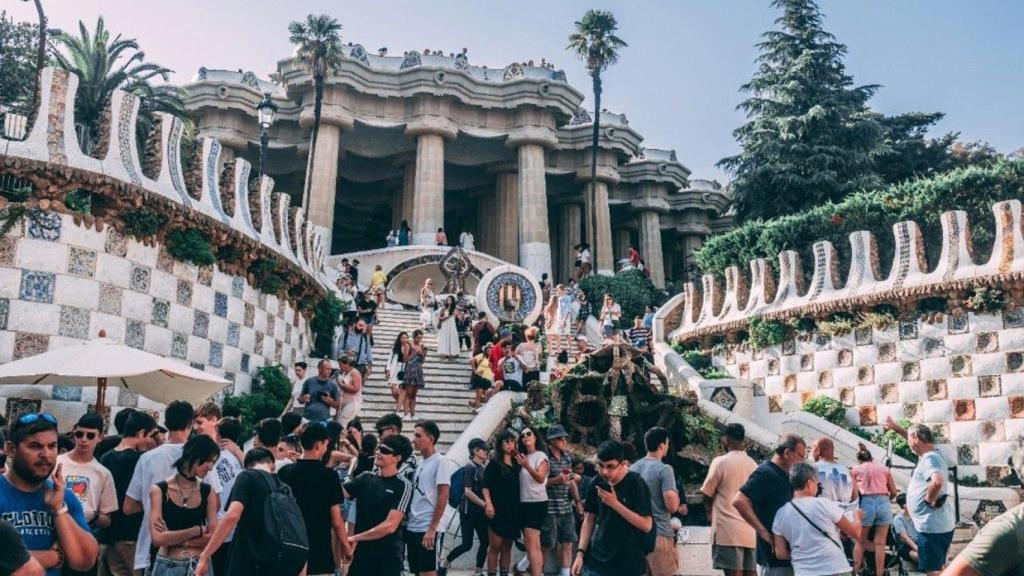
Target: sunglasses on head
[33,417]
[385,449]
[79,434]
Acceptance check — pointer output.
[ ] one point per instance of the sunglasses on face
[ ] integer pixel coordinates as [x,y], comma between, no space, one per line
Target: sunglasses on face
[79,434]
[34,417]
[526,434]
[385,450]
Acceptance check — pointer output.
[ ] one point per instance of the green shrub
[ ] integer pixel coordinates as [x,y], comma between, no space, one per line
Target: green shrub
[631,290]
[931,305]
[697,360]
[229,253]
[765,332]
[190,246]
[326,317]
[900,447]
[79,201]
[143,222]
[841,323]
[879,320]
[268,278]
[715,374]
[270,393]
[827,408]
[985,299]
[973,189]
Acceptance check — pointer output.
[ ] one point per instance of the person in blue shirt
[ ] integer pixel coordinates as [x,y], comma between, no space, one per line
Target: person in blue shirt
[47,517]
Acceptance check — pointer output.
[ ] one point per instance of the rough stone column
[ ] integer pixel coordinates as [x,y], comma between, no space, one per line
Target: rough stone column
[623,238]
[397,203]
[408,191]
[668,258]
[534,238]
[650,246]
[324,174]
[572,218]
[428,208]
[507,207]
[603,238]
[487,219]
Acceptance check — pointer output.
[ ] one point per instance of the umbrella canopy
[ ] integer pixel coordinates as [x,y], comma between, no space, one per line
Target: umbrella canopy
[155,377]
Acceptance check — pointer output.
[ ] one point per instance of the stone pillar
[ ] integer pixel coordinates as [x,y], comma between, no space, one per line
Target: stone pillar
[668,258]
[324,174]
[428,208]
[650,246]
[572,219]
[508,215]
[397,203]
[534,238]
[487,222]
[623,238]
[603,233]
[408,191]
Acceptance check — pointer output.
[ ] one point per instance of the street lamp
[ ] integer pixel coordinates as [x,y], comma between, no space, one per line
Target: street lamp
[265,113]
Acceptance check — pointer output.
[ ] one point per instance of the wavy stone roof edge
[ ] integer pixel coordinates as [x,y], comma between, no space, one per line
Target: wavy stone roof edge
[52,140]
[710,310]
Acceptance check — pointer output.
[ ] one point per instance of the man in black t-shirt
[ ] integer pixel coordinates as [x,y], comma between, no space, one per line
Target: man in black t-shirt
[765,492]
[117,549]
[382,498]
[318,493]
[245,510]
[16,560]
[617,518]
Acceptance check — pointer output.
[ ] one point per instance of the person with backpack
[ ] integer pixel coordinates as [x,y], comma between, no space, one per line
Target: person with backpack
[317,491]
[270,539]
[665,501]
[617,519]
[806,529]
[382,497]
[467,497]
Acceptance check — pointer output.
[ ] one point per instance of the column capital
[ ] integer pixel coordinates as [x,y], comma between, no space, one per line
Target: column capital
[432,125]
[503,168]
[605,174]
[330,115]
[640,205]
[539,135]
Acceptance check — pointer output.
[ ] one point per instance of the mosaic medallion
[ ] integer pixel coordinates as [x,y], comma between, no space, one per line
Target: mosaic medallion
[509,294]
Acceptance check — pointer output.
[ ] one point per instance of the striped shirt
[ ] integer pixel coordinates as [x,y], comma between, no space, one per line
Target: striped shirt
[558,494]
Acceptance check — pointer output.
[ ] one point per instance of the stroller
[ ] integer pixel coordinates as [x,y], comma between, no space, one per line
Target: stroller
[893,562]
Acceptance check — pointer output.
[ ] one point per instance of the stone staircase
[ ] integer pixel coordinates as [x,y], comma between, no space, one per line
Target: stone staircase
[446,395]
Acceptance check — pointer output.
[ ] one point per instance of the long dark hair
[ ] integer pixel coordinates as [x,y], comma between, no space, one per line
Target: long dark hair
[396,348]
[450,304]
[198,449]
[405,225]
[497,455]
[538,442]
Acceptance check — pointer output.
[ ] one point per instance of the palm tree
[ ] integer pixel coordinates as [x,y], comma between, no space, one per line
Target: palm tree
[594,41]
[318,42]
[98,62]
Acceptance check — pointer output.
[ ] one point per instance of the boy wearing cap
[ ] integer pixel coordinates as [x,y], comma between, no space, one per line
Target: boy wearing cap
[560,527]
[471,509]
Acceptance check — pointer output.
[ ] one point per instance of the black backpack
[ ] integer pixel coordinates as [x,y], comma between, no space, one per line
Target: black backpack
[285,546]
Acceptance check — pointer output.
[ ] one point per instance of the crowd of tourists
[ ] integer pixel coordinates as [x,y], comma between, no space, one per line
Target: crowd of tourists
[314,496]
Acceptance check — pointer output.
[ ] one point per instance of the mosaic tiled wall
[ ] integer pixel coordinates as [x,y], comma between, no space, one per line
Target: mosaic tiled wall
[963,377]
[61,283]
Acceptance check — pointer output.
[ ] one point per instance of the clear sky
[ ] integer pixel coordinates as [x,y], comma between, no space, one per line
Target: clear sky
[677,81]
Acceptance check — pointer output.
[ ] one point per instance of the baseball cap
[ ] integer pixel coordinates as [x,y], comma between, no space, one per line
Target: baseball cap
[557,431]
[476,443]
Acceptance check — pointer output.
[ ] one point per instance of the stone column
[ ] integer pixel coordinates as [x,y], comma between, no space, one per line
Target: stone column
[668,258]
[408,191]
[623,238]
[487,219]
[508,216]
[605,263]
[324,174]
[397,203]
[572,219]
[428,208]
[650,246]
[534,239]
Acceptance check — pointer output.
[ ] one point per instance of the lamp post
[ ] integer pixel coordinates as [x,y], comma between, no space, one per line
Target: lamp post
[265,113]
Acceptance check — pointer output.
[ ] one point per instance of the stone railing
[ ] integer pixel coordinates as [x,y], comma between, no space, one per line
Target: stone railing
[51,150]
[711,310]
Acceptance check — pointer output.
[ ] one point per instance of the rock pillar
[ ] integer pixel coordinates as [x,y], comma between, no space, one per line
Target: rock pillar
[650,246]
[623,238]
[605,263]
[507,207]
[534,235]
[487,219]
[324,175]
[572,219]
[428,191]
[408,191]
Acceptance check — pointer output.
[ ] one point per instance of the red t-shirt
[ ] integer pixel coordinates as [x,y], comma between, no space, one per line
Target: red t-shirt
[497,355]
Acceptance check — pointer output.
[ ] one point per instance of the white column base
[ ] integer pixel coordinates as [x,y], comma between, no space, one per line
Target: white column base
[424,238]
[536,257]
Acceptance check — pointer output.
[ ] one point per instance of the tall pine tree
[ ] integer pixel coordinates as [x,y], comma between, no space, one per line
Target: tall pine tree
[810,136]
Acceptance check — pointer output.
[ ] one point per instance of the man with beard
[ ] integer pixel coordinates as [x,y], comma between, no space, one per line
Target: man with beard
[48,518]
[355,344]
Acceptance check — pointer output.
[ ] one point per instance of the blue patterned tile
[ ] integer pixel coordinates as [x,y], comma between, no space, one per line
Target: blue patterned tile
[220,304]
[161,308]
[135,334]
[234,332]
[110,299]
[44,225]
[237,286]
[67,393]
[81,262]
[245,362]
[140,279]
[201,324]
[5,312]
[74,322]
[184,293]
[37,286]
[216,354]
[179,345]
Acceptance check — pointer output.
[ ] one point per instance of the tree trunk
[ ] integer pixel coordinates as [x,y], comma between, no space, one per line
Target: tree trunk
[40,54]
[318,89]
[592,217]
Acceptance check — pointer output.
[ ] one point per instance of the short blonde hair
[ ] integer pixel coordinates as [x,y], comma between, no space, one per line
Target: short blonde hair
[531,333]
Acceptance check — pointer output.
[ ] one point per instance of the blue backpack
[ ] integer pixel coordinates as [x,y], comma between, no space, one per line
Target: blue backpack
[457,487]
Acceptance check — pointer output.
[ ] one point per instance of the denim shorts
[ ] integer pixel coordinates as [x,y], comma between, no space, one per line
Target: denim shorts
[172,567]
[932,549]
[877,509]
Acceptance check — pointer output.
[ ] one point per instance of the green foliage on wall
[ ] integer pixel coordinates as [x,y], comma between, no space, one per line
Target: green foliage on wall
[827,408]
[764,332]
[270,393]
[631,290]
[327,316]
[973,189]
[143,222]
[190,246]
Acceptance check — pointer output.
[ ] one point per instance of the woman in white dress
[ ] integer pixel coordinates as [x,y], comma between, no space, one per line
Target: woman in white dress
[448,333]
[427,302]
[559,316]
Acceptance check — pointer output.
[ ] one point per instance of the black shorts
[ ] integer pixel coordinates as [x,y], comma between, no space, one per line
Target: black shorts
[531,376]
[420,559]
[372,563]
[534,514]
[513,385]
[478,382]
